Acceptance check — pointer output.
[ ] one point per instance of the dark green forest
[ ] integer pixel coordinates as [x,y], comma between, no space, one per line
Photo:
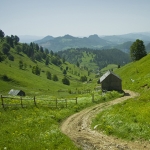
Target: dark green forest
[100,57]
[32,50]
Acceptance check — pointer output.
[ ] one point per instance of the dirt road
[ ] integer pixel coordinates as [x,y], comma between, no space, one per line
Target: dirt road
[77,127]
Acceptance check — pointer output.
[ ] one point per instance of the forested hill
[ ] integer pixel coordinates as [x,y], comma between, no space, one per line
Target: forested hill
[95,58]
[68,41]
[121,42]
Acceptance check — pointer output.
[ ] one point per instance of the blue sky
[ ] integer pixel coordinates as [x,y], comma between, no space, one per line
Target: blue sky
[74,17]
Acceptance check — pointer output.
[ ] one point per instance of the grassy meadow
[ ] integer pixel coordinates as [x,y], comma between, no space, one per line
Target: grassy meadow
[131,119]
[32,84]
[34,127]
[38,127]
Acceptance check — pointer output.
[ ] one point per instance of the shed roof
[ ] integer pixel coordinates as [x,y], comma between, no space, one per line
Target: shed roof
[14,92]
[107,74]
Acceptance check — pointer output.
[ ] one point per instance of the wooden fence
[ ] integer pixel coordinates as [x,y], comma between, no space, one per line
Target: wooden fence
[53,103]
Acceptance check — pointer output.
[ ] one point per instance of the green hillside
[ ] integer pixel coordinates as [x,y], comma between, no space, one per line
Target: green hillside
[68,41]
[130,120]
[135,75]
[120,42]
[25,66]
[17,73]
[95,59]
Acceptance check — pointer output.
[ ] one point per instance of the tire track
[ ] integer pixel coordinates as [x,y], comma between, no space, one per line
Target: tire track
[77,127]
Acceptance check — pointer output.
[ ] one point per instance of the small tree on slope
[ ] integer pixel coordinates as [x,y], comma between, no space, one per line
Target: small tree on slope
[137,50]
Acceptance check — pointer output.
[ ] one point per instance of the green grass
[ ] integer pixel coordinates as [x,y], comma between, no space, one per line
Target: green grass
[38,127]
[33,128]
[131,119]
[36,85]
[109,67]
[87,60]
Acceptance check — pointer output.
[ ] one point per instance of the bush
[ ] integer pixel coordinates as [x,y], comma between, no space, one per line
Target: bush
[5,48]
[20,64]
[5,78]
[36,70]
[55,78]
[2,57]
[65,81]
[11,57]
[18,49]
[48,74]
[83,78]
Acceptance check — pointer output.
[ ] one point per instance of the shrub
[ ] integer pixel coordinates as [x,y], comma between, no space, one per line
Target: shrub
[48,74]
[5,78]
[20,64]
[55,78]
[83,78]
[18,49]
[65,81]
[5,48]
[2,57]
[11,57]
[36,70]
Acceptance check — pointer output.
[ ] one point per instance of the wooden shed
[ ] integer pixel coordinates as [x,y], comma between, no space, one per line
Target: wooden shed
[110,81]
[16,92]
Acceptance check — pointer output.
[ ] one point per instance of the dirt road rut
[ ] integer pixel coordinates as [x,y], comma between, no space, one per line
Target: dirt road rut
[77,127]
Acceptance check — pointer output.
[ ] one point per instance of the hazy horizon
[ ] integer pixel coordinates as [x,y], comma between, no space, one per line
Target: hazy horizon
[79,18]
[87,35]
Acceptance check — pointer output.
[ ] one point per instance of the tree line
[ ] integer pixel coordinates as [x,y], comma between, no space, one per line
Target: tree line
[100,57]
[108,56]
[35,53]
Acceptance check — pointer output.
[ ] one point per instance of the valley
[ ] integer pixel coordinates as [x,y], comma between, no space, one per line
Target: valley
[68,74]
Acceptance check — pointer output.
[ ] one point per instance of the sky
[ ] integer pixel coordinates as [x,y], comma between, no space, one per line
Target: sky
[74,17]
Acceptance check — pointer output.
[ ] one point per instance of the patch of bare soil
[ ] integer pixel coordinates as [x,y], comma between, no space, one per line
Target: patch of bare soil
[77,127]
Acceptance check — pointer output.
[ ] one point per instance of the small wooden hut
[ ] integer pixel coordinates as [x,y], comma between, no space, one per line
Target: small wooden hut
[110,81]
[16,92]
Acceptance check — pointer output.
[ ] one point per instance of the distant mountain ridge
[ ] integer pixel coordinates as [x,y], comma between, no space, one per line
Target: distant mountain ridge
[93,41]
[68,41]
[119,39]
[47,38]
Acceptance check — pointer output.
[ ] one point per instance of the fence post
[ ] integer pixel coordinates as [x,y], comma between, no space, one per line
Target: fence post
[2,101]
[66,102]
[76,100]
[34,101]
[56,102]
[21,102]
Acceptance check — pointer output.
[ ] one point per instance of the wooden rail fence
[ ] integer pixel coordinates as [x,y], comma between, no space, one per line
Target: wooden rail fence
[54,102]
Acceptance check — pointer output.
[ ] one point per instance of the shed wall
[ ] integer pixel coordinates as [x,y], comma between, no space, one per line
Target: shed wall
[111,82]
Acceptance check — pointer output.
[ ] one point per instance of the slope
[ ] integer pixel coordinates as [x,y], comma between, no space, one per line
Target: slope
[68,41]
[94,59]
[14,76]
[130,120]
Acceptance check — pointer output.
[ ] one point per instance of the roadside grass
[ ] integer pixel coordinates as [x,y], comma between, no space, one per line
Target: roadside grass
[131,119]
[38,127]
[33,128]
